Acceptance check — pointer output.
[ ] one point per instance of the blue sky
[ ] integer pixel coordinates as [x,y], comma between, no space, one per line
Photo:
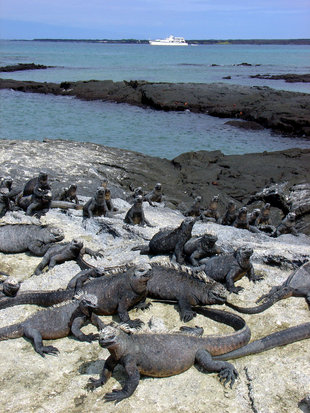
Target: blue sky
[147,19]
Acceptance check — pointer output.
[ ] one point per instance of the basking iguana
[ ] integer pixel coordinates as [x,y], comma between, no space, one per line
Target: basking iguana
[116,293]
[56,322]
[168,241]
[169,282]
[164,355]
[187,288]
[296,285]
[228,268]
[36,239]
[60,253]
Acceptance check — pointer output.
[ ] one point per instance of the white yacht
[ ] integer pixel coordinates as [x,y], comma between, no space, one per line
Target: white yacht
[169,41]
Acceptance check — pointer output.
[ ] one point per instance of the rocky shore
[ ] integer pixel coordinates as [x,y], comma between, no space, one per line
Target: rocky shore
[274,381]
[232,177]
[283,111]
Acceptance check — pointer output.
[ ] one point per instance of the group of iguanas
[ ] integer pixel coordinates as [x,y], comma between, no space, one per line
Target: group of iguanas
[116,291]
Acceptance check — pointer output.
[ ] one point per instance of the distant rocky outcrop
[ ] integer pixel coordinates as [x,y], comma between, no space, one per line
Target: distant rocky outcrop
[287,112]
[22,66]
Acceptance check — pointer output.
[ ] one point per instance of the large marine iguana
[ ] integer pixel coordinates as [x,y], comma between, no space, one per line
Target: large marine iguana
[56,322]
[168,241]
[296,285]
[116,293]
[36,239]
[187,288]
[228,268]
[164,355]
[171,282]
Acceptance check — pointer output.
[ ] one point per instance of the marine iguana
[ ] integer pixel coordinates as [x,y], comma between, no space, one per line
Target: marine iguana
[195,209]
[116,293]
[230,215]
[171,282]
[69,195]
[108,200]
[155,195]
[211,213]
[296,285]
[200,247]
[228,268]
[135,215]
[36,239]
[242,221]
[187,288]
[96,206]
[252,218]
[60,253]
[56,322]
[168,241]
[164,355]
[10,287]
[287,226]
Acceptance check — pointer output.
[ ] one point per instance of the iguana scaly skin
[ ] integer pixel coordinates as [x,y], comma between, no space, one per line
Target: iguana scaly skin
[116,294]
[163,355]
[56,322]
[37,239]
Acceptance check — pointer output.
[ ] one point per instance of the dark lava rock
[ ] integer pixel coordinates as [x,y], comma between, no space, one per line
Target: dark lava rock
[248,125]
[284,111]
[22,66]
[289,77]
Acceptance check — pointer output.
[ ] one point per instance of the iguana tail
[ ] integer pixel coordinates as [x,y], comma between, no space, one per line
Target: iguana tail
[280,338]
[251,310]
[43,299]
[13,331]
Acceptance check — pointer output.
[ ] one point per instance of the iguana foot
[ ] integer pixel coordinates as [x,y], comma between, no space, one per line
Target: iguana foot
[94,383]
[90,337]
[135,323]
[143,306]
[236,290]
[115,395]
[187,315]
[48,350]
[257,278]
[228,374]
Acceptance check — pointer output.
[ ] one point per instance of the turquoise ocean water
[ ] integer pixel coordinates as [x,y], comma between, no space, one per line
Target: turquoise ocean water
[33,116]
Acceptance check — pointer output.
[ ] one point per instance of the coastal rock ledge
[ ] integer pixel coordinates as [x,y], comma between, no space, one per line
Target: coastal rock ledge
[287,112]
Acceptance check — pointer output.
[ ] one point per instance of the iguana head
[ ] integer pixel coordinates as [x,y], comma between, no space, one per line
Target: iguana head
[213,292]
[11,287]
[88,302]
[111,336]
[55,234]
[208,240]
[140,276]
[100,195]
[76,245]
